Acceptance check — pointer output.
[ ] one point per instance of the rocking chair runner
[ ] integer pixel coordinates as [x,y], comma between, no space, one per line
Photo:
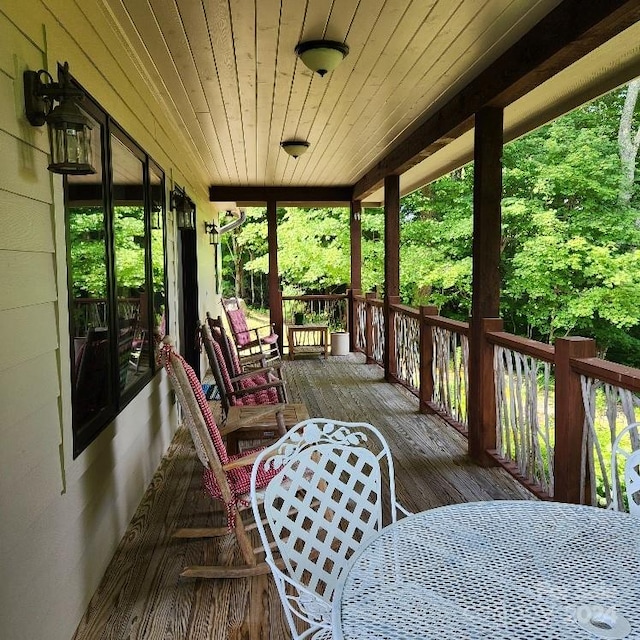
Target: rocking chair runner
[226,478]
[250,340]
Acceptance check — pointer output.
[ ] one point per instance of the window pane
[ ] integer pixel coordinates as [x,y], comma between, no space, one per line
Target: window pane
[157,254]
[89,307]
[130,274]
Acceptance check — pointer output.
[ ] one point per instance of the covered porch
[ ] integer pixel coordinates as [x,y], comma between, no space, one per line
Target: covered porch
[192,105]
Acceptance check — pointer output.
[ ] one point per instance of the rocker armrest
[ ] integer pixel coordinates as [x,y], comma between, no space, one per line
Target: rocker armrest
[251,358]
[245,461]
[254,372]
[264,326]
[238,393]
[249,345]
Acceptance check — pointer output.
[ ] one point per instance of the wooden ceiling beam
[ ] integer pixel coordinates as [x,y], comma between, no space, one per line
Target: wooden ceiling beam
[570,31]
[248,196]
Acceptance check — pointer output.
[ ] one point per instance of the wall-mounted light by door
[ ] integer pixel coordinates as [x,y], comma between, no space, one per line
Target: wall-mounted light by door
[212,230]
[184,207]
[70,128]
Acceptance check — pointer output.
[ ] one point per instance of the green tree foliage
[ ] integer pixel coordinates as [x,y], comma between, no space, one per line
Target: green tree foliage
[313,252]
[570,244]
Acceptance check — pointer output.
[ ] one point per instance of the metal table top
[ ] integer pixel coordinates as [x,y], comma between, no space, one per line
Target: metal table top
[500,570]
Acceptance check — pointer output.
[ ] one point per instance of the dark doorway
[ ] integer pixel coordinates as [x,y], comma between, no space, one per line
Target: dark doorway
[189,300]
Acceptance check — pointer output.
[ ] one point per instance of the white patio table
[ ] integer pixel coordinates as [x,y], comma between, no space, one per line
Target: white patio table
[501,570]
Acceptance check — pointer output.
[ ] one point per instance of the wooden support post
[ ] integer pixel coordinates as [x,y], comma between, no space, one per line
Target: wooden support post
[391,265]
[368,330]
[485,302]
[352,318]
[426,358]
[570,416]
[275,295]
[391,365]
[482,394]
[355,235]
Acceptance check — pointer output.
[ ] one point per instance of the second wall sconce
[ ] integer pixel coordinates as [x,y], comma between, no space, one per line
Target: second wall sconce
[184,207]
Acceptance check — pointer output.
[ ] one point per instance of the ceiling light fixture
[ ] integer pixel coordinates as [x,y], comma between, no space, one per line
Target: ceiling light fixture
[322,56]
[70,128]
[295,148]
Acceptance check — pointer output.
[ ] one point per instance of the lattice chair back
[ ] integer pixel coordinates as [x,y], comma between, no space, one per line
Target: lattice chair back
[629,455]
[325,501]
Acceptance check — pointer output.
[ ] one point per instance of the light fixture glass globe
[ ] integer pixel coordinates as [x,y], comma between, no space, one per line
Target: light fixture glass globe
[295,148]
[322,56]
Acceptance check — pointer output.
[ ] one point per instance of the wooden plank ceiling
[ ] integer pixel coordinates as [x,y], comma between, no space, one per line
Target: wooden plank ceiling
[227,73]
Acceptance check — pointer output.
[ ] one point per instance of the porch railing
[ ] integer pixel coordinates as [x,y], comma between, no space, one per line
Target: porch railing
[558,408]
[330,308]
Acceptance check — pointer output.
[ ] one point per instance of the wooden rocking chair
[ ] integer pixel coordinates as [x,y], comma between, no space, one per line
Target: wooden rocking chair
[226,477]
[250,340]
[253,387]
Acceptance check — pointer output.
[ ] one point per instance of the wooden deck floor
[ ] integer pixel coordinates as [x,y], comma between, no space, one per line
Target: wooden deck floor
[142,595]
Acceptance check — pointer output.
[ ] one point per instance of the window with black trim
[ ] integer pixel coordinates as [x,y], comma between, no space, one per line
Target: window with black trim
[116,256]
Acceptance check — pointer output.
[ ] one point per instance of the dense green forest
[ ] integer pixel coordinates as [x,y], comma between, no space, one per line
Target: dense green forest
[570,236]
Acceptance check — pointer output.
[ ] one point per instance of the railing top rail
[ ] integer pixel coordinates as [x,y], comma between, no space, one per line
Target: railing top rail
[406,310]
[455,326]
[314,296]
[376,302]
[613,373]
[527,346]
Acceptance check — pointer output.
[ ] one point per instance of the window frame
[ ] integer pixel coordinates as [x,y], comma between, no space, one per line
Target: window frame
[84,434]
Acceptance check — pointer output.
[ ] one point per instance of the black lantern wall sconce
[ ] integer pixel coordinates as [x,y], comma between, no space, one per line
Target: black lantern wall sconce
[212,230]
[184,207]
[156,216]
[70,129]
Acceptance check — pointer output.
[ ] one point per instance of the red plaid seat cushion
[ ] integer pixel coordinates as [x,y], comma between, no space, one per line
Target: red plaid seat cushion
[264,396]
[239,326]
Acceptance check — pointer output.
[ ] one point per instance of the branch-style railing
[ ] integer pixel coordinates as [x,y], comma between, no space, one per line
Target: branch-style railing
[524,379]
[610,394]
[557,408]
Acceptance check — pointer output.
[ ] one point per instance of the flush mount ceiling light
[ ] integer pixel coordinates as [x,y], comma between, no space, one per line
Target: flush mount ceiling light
[70,128]
[322,56]
[295,148]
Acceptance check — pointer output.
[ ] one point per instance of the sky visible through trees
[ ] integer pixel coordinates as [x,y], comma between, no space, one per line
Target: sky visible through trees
[570,236]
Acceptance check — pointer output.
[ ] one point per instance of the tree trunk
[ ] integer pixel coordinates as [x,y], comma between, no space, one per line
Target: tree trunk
[253,286]
[628,143]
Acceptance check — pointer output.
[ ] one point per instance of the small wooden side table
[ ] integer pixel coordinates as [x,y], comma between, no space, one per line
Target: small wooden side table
[257,422]
[308,338]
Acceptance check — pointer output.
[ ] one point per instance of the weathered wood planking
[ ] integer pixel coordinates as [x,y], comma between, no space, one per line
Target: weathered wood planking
[142,596]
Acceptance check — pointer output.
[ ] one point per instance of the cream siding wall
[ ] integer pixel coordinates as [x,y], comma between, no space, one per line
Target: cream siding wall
[61,519]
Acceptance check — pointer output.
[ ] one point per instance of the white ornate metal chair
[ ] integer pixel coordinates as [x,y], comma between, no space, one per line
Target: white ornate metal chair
[630,471]
[324,502]
[226,478]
